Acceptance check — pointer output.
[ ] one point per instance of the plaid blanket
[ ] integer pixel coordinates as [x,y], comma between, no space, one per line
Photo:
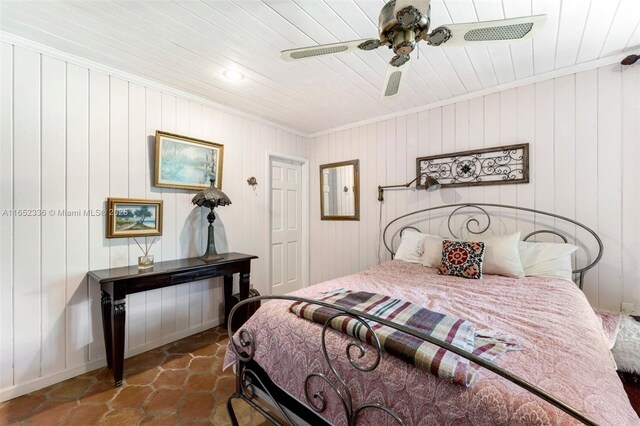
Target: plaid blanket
[423,355]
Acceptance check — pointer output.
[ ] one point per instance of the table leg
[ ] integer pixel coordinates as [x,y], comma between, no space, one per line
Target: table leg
[244,285]
[118,315]
[228,291]
[244,294]
[106,326]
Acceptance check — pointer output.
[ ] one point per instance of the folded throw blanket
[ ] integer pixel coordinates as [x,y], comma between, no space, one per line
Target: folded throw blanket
[423,355]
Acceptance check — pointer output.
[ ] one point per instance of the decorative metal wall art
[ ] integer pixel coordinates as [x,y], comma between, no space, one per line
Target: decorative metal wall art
[488,166]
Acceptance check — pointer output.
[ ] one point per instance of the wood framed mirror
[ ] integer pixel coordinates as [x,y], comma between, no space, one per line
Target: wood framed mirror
[340,191]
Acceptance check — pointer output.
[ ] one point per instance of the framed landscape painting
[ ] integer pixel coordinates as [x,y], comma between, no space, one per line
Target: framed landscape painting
[130,217]
[187,163]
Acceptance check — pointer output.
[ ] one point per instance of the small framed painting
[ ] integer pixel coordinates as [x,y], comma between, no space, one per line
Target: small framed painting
[187,163]
[130,217]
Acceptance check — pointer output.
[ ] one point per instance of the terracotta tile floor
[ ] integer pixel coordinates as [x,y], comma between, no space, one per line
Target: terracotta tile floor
[181,383]
[177,384]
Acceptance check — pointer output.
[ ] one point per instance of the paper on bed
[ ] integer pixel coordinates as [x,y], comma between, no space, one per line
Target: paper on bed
[422,354]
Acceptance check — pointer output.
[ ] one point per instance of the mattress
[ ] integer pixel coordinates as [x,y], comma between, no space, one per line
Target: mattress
[563,352]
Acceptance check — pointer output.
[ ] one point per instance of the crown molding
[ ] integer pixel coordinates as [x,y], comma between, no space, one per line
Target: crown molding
[136,79]
[573,69]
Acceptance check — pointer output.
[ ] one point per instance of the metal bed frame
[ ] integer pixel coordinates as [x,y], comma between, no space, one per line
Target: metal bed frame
[480,208]
[252,381]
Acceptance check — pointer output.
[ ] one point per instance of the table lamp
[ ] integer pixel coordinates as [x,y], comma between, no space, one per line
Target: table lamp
[211,198]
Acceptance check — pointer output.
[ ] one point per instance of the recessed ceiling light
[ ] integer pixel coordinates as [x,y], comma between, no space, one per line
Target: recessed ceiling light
[233,75]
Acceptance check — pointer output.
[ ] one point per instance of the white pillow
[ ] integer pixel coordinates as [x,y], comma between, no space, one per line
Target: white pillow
[432,251]
[501,256]
[549,260]
[410,249]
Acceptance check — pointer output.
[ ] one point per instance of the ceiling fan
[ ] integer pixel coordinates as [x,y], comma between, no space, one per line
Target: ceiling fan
[404,23]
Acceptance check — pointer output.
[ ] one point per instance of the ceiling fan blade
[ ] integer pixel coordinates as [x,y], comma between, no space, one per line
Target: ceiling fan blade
[329,49]
[499,31]
[393,80]
[409,12]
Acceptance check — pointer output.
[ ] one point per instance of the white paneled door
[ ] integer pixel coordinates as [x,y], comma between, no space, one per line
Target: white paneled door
[286,226]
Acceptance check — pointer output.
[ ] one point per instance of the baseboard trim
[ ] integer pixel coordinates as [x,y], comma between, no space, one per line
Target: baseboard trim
[41,382]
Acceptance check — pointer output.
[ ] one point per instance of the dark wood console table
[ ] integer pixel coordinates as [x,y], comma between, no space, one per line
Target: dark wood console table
[116,283]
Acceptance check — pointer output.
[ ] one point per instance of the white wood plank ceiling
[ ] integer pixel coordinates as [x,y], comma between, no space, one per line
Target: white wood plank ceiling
[189,44]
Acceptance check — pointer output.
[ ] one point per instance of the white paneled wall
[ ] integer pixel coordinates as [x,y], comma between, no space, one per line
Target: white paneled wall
[71,137]
[584,135]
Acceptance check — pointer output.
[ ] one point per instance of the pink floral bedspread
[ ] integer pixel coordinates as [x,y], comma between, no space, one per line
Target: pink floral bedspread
[563,352]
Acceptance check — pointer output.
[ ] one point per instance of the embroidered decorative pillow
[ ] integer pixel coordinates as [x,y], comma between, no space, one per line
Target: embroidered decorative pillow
[462,259]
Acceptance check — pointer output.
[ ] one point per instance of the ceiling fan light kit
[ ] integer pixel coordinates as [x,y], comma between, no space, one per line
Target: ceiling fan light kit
[402,24]
[408,16]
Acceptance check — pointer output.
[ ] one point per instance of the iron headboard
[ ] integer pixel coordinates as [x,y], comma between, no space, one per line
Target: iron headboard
[481,209]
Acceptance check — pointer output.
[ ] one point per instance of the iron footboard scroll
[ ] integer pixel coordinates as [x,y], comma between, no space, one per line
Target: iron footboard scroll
[244,350]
